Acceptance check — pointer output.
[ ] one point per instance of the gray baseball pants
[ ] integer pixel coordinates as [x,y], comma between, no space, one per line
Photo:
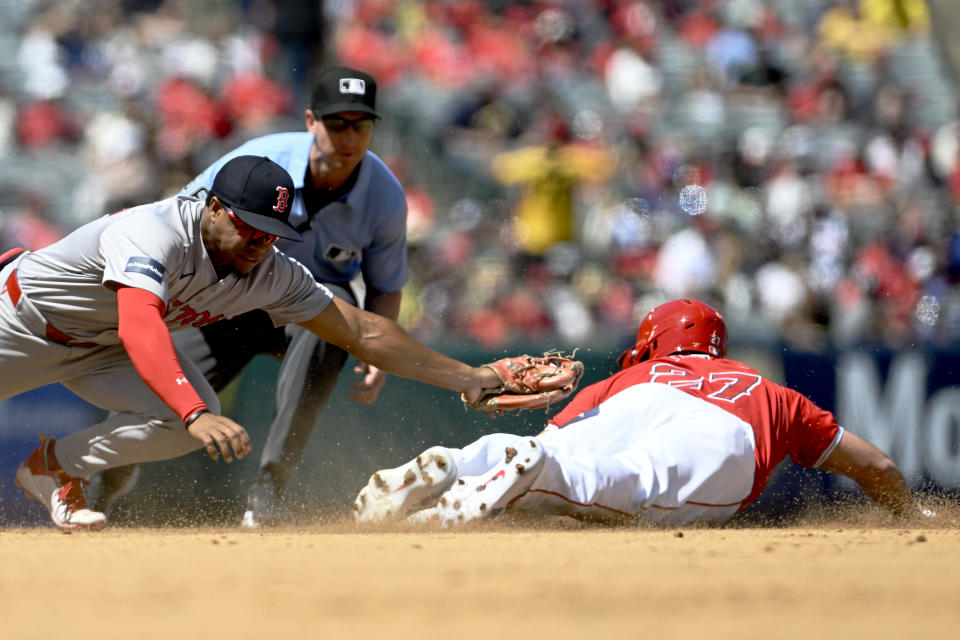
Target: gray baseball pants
[141,428]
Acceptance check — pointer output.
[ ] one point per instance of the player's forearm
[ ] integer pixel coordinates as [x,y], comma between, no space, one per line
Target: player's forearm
[150,347]
[384,344]
[874,471]
[383,304]
[888,488]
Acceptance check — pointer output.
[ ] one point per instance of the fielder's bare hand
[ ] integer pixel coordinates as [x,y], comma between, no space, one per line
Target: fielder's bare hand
[482,378]
[219,432]
[369,385]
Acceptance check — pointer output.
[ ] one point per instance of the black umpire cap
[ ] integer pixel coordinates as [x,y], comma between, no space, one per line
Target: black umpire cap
[340,89]
[259,192]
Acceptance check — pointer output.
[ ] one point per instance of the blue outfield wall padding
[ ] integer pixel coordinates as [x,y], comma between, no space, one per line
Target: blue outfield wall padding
[904,401]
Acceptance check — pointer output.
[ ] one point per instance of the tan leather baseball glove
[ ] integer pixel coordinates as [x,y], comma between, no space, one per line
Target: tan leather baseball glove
[529,382]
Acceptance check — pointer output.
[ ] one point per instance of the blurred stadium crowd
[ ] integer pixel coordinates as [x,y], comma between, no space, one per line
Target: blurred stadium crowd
[568,164]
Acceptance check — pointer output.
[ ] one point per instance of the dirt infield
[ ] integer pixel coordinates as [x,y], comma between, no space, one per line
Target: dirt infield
[552,580]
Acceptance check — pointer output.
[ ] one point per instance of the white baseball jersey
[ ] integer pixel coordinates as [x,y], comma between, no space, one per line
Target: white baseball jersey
[157,247]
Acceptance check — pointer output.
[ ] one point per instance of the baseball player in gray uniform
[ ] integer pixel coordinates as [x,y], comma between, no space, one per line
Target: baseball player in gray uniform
[95,311]
[351,211]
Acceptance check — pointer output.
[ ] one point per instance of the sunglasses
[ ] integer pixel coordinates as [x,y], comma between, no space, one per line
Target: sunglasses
[247,232]
[336,124]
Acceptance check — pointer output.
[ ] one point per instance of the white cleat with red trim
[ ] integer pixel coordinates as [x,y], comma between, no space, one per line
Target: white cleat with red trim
[393,494]
[62,495]
[487,495]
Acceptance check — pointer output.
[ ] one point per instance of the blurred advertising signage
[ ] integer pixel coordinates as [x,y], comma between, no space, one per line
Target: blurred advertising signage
[912,413]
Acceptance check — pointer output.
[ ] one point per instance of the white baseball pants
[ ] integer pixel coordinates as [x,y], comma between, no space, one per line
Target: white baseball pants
[651,451]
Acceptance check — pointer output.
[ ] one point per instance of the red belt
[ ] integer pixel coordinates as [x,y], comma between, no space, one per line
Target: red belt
[52,333]
[10,256]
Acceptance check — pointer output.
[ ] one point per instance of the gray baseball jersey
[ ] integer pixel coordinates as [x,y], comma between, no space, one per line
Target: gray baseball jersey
[157,247]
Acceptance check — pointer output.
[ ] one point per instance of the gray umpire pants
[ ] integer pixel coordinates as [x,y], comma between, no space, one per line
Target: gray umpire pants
[308,373]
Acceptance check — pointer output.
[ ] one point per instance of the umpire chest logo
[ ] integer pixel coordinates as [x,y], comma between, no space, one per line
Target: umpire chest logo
[335,253]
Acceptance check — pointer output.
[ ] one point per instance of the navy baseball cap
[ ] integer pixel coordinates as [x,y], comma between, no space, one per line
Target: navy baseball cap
[259,192]
[340,89]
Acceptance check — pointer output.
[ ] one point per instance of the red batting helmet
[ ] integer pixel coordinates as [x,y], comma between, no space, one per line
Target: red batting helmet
[681,325]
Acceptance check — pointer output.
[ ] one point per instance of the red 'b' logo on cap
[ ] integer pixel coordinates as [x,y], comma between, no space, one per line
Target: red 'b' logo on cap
[283,197]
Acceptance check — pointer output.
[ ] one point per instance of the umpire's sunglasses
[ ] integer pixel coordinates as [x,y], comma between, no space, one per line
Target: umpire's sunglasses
[336,124]
[247,232]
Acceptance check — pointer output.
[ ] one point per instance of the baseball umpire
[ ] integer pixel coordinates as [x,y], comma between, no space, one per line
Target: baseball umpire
[351,211]
[95,311]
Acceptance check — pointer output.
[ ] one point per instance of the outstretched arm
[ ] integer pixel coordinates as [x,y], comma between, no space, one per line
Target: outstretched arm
[875,472]
[384,344]
[367,386]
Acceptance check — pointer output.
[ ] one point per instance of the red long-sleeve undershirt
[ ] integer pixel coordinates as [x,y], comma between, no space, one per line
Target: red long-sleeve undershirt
[148,343]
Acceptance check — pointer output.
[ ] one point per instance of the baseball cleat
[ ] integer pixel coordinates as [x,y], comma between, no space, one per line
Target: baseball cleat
[264,502]
[487,495]
[393,494]
[425,516]
[62,495]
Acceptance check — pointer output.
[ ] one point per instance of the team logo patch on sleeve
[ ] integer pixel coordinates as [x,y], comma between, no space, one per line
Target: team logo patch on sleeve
[146,266]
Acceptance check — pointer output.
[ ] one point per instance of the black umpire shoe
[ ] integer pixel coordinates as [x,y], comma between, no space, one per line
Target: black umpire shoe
[106,487]
[264,499]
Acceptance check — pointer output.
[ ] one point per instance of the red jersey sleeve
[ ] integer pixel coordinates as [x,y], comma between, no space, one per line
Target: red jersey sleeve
[812,429]
[586,399]
[150,347]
